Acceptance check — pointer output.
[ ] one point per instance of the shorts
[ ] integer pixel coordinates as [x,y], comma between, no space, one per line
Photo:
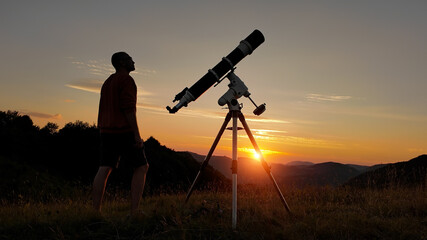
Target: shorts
[117,147]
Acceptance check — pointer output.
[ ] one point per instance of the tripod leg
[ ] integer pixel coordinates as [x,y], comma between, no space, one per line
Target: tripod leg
[234,172]
[208,157]
[263,162]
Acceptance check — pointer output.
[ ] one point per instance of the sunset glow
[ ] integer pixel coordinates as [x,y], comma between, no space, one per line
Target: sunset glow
[342,82]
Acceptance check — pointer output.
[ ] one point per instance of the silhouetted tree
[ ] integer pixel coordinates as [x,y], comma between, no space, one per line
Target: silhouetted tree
[49,129]
[72,154]
[78,145]
[17,134]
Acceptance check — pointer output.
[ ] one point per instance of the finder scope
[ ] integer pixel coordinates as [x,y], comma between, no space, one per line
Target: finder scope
[246,47]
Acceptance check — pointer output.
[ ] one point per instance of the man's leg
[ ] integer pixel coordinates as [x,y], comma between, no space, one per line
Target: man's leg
[99,186]
[138,182]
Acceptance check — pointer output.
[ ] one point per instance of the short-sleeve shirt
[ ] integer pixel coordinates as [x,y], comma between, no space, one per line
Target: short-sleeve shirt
[118,96]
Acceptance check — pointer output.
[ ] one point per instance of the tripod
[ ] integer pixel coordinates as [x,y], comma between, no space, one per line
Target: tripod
[234,113]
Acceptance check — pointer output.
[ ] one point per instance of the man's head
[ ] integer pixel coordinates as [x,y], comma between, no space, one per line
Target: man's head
[122,60]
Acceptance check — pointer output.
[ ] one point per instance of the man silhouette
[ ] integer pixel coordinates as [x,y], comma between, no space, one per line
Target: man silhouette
[120,138]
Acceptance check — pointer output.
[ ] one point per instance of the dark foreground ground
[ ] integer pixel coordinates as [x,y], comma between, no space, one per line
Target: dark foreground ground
[318,213]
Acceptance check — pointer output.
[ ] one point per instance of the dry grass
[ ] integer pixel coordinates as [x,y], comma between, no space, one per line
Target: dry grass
[319,213]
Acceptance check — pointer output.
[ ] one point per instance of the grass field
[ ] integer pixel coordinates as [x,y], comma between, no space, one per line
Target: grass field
[318,213]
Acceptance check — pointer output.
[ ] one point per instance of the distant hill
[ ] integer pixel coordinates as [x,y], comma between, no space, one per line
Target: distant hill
[299,163]
[363,169]
[359,168]
[407,174]
[328,173]
[176,169]
[300,174]
[295,174]
[220,163]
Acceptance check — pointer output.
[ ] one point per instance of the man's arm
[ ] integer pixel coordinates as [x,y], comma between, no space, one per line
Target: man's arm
[131,118]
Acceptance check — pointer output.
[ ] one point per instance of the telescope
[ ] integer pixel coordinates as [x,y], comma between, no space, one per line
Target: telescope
[214,75]
[237,88]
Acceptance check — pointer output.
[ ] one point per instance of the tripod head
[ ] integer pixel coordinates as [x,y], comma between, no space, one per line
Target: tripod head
[237,89]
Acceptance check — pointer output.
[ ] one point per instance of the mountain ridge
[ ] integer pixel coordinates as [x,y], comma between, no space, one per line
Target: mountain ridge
[294,174]
[410,173]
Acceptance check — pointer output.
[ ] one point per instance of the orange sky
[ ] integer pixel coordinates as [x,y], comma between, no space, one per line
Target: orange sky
[342,81]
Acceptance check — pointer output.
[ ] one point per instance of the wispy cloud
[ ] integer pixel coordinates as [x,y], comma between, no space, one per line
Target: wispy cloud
[378,112]
[88,85]
[265,120]
[69,100]
[95,67]
[416,150]
[44,115]
[145,71]
[272,135]
[386,113]
[221,115]
[94,85]
[329,98]
[267,131]
[312,142]
[280,136]
[104,67]
[153,108]
[269,135]
[263,151]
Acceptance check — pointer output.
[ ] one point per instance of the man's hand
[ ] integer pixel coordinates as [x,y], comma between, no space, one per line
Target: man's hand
[131,117]
[139,143]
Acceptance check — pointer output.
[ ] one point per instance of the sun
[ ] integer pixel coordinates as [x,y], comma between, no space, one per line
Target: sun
[252,153]
[256,155]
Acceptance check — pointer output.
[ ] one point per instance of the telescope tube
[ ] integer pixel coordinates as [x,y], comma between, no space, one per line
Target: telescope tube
[246,47]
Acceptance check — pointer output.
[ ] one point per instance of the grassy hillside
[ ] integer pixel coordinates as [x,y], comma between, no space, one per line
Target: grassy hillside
[20,181]
[319,213]
[411,173]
